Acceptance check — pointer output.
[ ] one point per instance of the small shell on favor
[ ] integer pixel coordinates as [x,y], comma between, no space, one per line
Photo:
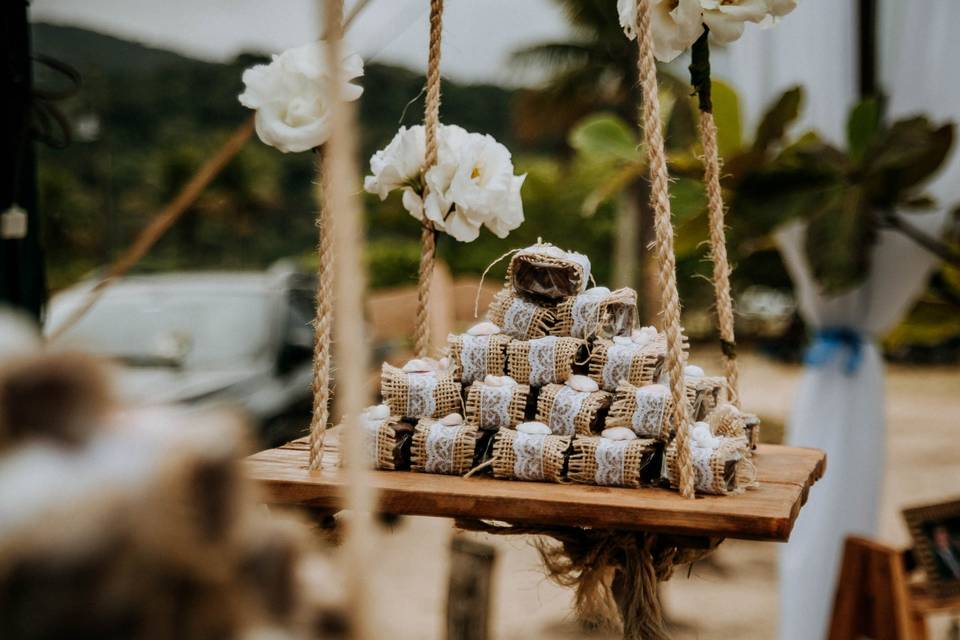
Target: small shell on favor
[452,420]
[693,371]
[443,364]
[618,433]
[701,435]
[582,383]
[644,335]
[483,329]
[534,428]
[498,381]
[622,340]
[377,412]
[419,365]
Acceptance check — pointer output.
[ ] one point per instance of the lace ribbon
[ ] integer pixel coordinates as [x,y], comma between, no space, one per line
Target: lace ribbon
[518,317]
[651,404]
[370,432]
[473,357]
[563,414]
[584,263]
[610,456]
[542,359]
[420,399]
[528,451]
[584,311]
[495,406]
[441,441]
[617,367]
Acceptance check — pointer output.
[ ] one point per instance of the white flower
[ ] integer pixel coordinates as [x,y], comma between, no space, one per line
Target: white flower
[471,185]
[676,25]
[291,96]
[726,18]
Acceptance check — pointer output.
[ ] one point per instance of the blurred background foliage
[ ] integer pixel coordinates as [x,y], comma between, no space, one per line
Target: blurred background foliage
[141,128]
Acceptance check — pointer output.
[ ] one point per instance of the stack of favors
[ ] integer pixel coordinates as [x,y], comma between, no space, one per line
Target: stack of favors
[559,384]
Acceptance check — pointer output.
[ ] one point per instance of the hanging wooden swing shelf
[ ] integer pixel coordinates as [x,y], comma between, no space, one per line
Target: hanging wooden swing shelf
[767,512]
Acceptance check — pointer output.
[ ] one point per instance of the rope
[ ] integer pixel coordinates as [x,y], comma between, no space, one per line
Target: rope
[428,235]
[718,254]
[351,357]
[323,323]
[700,79]
[615,574]
[667,276]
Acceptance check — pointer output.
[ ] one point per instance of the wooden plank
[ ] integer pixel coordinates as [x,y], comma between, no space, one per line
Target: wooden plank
[765,513]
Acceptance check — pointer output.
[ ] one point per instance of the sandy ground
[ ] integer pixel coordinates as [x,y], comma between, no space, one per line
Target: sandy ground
[736,592]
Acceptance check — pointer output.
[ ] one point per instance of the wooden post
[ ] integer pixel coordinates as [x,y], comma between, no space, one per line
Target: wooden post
[468,598]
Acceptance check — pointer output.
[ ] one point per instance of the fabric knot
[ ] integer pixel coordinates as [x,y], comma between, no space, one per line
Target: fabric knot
[830,343]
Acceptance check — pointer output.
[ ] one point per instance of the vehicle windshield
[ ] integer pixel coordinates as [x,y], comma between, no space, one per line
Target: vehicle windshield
[165,327]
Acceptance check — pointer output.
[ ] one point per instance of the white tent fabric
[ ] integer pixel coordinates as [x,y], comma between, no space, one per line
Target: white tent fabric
[837,408]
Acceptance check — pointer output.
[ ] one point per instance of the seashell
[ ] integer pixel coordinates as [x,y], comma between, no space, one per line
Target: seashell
[533,428]
[693,371]
[377,412]
[493,381]
[701,435]
[657,389]
[644,335]
[582,383]
[622,340]
[419,365]
[451,420]
[597,291]
[483,329]
[507,381]
[618,433]
[443,364]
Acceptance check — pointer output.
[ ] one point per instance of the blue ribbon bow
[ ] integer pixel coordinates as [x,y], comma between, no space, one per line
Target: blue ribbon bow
[831,342]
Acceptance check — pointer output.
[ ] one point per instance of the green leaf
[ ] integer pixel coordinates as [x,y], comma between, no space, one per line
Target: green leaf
[606,137]
[611,186]
[839,239]
[775,121]
[726,112]
[863,126]
[681,125]
[908,153]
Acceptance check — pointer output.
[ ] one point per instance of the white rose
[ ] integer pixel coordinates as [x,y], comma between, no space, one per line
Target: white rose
[397,166]
[726,18]
[676,25]
[291,96]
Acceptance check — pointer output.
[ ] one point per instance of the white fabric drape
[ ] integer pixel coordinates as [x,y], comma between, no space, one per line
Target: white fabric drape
[839,411]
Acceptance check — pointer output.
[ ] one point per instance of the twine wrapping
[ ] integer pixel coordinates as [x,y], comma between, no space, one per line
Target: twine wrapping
[522,456]
[520,318]
[492,408]
[387,444]
[611,364]
[703,394]
[544,360]
[428,235]
[617,463]
[724,470]
[473,357]
[597,312]
[438,448]
[707,127]
[545,272]
[419,395]
[667,276]
[647,410]
[568,412]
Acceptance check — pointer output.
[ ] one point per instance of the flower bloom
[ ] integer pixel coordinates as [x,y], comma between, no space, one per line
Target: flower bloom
[471,185]
[291,96]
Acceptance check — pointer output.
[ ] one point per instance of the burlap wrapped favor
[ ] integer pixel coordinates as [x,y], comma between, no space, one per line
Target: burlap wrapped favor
[519,317]
[544,360]
[616,463]
[545,272]
[703,394]
[721,469]
[615,362]
[387,443]
[597,312]
[524,456]
[495,407]
[439,448]
[647,410]
[419,395]
[473,357]
[568,411]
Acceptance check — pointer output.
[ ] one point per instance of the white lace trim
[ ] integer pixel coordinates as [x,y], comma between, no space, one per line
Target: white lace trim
[563,414]
[528,451]
[542,358]
[370,432]
[610,457]
[617,367]
[441,442]
[518,317]
[584,311]
[420,399]
[473,357]
[700,458]
[651,404]
[495,406]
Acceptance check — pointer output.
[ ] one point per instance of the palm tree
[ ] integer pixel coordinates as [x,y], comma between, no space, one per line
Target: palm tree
[595,71]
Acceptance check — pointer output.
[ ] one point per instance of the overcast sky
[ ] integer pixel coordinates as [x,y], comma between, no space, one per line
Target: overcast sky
[477,40]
